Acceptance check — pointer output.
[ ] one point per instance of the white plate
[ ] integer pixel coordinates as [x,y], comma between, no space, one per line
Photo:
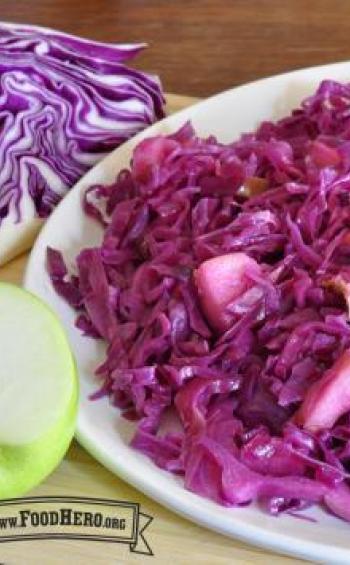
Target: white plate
[100,429]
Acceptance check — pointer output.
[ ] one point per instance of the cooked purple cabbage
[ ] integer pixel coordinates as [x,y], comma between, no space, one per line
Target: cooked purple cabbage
[241,389]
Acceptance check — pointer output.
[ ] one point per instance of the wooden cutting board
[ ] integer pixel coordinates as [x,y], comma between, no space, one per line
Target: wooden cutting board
[172,539]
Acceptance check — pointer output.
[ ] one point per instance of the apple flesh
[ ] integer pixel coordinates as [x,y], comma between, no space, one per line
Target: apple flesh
[220,281]
[38,391]
[328,398]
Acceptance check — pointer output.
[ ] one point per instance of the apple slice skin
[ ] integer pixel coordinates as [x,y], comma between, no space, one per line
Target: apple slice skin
[219,281]
[23,467]
[328,398]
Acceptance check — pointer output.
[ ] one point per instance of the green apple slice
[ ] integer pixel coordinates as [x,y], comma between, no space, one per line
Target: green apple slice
[38,391]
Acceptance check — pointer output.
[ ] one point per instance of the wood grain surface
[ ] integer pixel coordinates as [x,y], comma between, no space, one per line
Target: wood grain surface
[172,539]
[200,47]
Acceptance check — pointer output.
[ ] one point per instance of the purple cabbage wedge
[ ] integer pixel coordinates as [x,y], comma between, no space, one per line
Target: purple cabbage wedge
[222,288]
[65,103]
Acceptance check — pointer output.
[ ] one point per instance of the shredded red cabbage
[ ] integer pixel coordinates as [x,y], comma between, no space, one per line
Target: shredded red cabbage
[222,287]
[65,103]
